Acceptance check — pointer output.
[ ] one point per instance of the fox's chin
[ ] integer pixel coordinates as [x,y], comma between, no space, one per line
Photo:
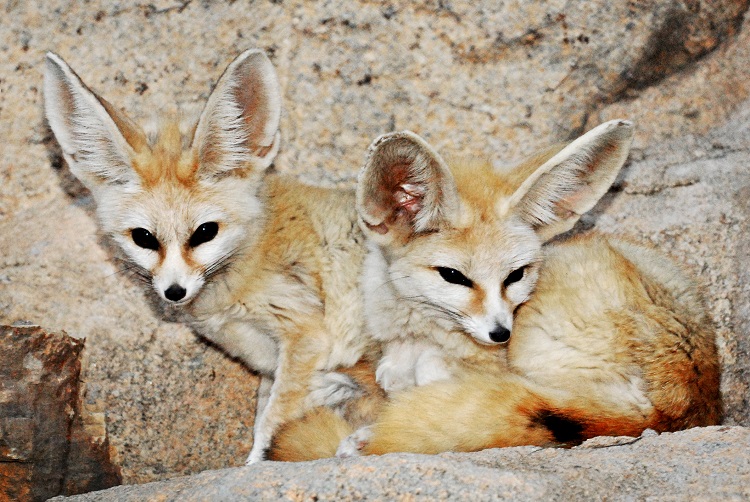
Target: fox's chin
[486,342]
[178,304]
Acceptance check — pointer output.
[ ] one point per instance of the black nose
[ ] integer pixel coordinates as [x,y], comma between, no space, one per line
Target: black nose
[500,334]
[175,292]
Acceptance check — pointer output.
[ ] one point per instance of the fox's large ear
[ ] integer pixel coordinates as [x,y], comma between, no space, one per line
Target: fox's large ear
[405,187]
[570,183]
[97,141]
[239,126]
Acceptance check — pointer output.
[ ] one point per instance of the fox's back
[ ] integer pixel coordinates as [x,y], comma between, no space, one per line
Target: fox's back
[303,266]
[622,324]
[330,238]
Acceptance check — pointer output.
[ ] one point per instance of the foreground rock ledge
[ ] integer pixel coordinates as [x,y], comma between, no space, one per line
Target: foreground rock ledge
[711,463]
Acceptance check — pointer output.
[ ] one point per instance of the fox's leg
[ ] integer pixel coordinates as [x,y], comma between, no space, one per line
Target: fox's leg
[257,350]
[264,394]
[396,367]
[288,400]
[332,389]
[408,364]
[321,431]
[430,367]
[262,432]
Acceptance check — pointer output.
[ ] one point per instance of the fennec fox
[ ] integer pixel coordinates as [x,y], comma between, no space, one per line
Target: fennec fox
[265,267]
[454,252]
[512,342]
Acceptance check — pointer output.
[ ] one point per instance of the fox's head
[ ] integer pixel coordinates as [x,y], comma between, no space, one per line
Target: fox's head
[463,242]
[180,205]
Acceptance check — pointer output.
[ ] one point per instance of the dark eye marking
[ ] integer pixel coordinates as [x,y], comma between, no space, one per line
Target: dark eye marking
[454,276]
[515,276]
[145,239]
[204,233]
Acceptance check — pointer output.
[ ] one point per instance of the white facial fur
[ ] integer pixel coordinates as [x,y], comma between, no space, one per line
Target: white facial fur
[428,218]
[144,182]
[485,256]
[172,214]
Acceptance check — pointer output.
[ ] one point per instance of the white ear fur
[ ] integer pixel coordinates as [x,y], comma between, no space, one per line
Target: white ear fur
[240,122]
[555,196]
[404,187]
[93,146]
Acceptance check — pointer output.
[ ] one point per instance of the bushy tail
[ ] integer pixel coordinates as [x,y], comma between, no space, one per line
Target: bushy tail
[471,413]
[315,436]
[478,412]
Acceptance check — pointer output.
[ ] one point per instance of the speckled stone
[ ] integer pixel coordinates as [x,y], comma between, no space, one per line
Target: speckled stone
[485,78]
[699,464]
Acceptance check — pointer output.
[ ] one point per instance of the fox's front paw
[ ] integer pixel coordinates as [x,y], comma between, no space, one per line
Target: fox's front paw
[393,377]
[431,367]
[255,456]
[332,389]
[352,445]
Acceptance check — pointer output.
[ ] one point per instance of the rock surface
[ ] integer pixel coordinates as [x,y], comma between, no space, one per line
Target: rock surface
[473,77]
[700,464]
[50,443]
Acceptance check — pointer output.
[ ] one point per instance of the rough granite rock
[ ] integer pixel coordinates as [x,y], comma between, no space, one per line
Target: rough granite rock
[50,443]
[494,78]
[699,464]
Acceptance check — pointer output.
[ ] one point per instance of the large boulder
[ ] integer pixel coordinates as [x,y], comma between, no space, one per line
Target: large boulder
[485,78]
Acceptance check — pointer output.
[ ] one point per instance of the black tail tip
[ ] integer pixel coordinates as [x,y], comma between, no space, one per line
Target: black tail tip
[564,429]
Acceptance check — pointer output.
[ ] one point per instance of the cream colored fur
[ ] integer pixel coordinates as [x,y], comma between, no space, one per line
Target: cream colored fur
[277,285]
[420,214]
[606,336]
[614,340]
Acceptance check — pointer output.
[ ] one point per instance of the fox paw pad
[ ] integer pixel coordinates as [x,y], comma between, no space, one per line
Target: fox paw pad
[353,444]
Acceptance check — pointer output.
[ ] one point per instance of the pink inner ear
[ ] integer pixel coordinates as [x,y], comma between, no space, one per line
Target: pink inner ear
[570,205]
[381,228]
[409,197]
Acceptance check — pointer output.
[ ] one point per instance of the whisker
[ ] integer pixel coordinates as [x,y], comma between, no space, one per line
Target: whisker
[122,270]
[132,269]
[392,280]
[448,313]
[223,263]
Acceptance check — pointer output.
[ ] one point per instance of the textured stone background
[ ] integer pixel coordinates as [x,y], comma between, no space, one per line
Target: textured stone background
[486,78]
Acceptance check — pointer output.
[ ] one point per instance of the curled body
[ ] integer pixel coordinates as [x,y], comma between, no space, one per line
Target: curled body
[614,340]
[491,337]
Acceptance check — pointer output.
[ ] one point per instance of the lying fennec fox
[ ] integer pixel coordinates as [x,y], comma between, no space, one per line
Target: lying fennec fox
[267,268]
[509,342]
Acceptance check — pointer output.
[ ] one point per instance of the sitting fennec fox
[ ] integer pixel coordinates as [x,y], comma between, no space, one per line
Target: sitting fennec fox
[513,343]
[265,267]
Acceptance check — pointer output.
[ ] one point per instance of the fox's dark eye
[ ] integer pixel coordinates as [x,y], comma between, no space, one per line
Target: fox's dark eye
[514,276]
[204,233]
[454,276]
[145,239]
